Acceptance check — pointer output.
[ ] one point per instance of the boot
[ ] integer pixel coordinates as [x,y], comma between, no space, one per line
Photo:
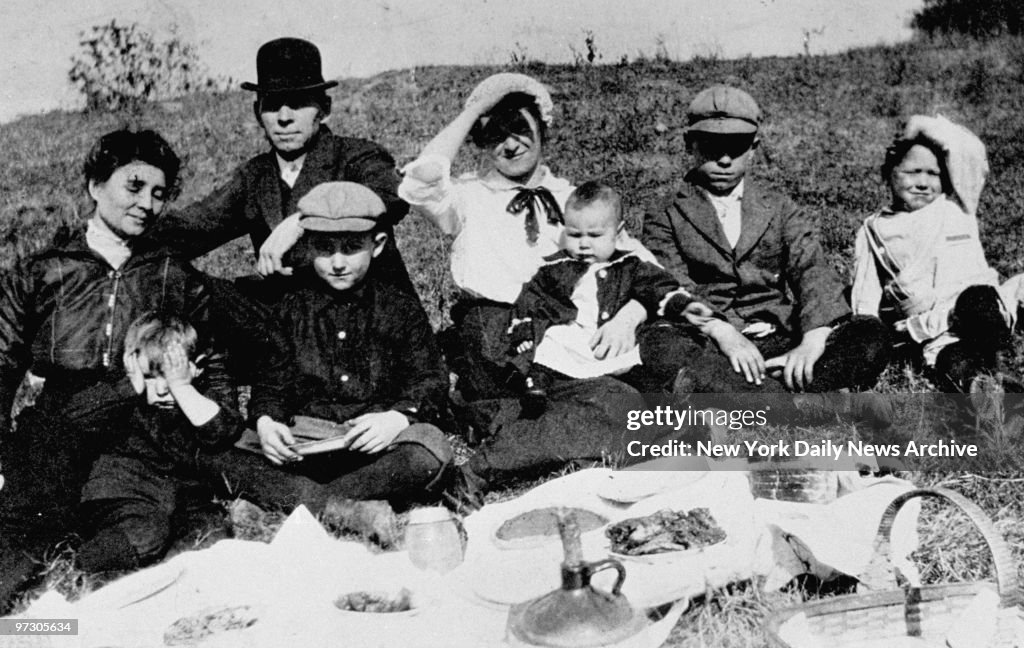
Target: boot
[465,492]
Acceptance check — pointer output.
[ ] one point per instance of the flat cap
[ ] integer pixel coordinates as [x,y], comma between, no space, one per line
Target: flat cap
[725,110]
[340,207]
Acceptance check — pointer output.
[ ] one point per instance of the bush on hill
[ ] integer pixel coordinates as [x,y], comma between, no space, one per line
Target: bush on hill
[976,18]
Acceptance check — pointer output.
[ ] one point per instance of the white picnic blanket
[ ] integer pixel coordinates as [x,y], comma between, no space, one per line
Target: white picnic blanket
[290,585]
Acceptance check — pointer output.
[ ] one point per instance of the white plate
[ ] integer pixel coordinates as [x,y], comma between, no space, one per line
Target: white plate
[134,588]
[628,486]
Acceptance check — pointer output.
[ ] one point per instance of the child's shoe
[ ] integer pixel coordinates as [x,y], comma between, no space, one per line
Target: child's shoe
[465,491]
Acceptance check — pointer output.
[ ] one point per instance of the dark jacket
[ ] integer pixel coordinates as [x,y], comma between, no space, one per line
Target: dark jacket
[253,202]
[167,441]
[339,354]
[546,300]
[777,273]
[256,200]
[64,313]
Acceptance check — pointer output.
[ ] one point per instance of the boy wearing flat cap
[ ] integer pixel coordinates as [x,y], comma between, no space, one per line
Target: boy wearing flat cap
[348,348]
[755,257]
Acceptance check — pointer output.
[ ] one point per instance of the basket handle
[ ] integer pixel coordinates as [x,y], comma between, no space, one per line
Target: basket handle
[880,572]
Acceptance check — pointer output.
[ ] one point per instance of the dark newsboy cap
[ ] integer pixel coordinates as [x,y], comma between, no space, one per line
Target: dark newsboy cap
[288,65]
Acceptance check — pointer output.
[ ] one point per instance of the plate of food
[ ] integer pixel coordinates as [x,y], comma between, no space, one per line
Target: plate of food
[539,526]
[665,531]
[208,623]
[392,604]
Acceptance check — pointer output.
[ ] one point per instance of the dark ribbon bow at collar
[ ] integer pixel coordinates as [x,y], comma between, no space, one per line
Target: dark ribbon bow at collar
[530,200]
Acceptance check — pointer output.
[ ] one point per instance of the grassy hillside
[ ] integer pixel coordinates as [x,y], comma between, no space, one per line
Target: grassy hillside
[828,120]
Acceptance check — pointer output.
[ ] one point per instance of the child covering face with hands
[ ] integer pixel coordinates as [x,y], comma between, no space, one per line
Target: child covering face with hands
[136,488]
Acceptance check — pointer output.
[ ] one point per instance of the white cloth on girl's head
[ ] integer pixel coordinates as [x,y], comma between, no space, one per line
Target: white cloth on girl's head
[496,86]
[965,155]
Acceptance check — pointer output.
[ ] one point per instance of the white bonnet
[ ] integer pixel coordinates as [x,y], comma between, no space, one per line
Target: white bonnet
[505,83]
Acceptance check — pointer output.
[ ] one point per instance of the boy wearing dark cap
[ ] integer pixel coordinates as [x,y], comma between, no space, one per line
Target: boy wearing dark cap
[351,349]
[755,257]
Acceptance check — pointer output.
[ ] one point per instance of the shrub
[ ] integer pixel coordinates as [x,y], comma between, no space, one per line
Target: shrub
[122,66]
[977,18]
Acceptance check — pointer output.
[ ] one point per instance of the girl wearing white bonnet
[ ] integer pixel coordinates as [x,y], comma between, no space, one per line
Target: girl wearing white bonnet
[919,262]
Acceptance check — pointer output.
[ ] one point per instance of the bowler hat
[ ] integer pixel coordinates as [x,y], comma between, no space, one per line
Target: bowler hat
[340,207]
[723,110]
[288,65]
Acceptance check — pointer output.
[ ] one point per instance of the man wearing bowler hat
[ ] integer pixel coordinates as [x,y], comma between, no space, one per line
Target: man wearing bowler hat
[260,200]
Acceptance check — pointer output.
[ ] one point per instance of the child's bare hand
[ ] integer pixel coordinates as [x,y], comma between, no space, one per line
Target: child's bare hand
[524,346]
[374,432]
[275,439]
[697,313]
[175,366]
[134,372]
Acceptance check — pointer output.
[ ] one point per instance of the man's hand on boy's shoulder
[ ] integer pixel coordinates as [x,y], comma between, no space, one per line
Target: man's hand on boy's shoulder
[282,239]
[275,439]
[375,431]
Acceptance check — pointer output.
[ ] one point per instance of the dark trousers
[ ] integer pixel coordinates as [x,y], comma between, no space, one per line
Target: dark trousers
[477,348]
[131,512]
[405,471]
[977,321]
[585,420]
[856,353]
[46,461]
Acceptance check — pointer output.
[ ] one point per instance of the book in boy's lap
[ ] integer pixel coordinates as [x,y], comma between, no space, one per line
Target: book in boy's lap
[312,436]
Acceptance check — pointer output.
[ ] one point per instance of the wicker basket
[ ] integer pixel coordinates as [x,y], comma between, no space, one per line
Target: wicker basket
[926,612]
